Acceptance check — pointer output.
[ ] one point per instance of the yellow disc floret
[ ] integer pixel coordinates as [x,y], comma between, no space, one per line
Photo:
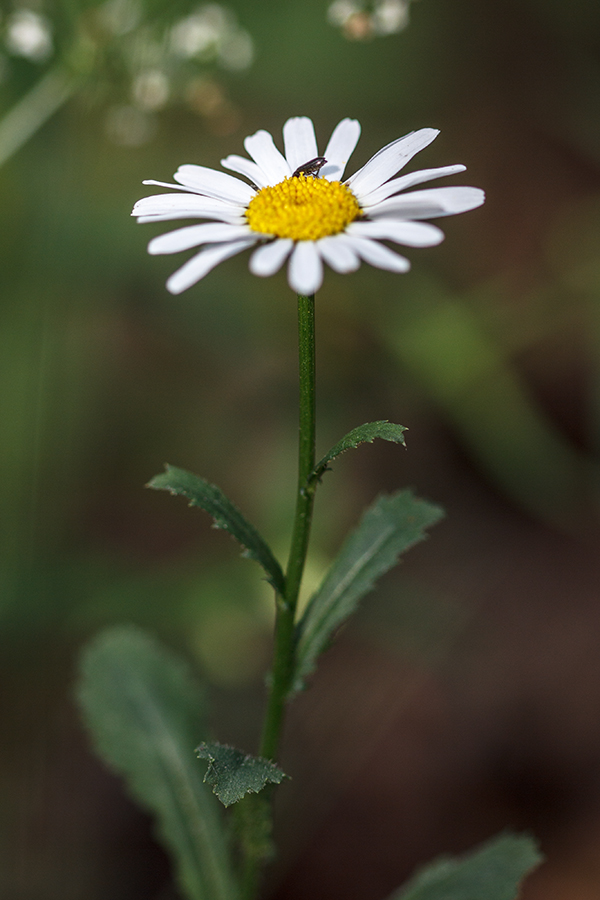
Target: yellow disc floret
[303,208]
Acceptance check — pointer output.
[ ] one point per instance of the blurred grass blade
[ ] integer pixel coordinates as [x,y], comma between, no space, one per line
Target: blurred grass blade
[233,774]
[443,344]
[389,527]
[145,715]
[226,515]
[361,435]
[493,872]
[34,109]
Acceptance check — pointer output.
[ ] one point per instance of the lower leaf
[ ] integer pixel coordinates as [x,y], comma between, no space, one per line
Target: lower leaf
[145,714]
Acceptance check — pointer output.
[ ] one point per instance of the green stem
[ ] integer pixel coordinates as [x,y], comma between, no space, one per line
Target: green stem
[284,644]
[283,654]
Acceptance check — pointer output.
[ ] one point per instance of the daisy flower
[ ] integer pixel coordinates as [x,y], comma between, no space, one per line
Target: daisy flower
[295,206]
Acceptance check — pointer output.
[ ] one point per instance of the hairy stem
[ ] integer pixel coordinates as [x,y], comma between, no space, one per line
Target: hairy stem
[283,656]
[284,644]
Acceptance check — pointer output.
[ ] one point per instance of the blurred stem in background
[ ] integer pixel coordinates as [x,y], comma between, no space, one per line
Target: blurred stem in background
[34,109]
[445,346]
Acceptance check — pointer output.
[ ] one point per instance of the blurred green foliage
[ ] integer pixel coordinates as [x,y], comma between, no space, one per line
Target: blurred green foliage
[105,376]
[491,342]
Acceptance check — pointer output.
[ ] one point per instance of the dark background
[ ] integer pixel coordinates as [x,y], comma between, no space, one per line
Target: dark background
[465,697]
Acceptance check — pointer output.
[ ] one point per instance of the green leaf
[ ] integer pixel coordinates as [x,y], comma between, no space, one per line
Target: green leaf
[233,774]
[389,527]
[361,435]
[226,515]
[492,872]
[145,714]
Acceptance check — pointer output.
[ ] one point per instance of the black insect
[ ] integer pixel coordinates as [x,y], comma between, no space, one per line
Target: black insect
[312,167]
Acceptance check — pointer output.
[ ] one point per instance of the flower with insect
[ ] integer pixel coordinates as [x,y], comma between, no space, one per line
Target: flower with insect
[289,209]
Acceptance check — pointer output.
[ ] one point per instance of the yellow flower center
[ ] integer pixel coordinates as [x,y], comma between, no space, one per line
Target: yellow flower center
[303,208]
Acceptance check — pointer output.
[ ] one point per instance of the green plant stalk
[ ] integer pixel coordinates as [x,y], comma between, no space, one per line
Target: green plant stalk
[283,654]
[284,642]
[37,106]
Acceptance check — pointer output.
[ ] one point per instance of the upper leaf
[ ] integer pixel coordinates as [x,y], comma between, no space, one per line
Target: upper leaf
[226,515]
[233,774]
[492,872]
[361,435]
[389,527]
[145,714]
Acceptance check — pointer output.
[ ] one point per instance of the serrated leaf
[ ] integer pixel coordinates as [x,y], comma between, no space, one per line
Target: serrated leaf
[492,872]
[234,774]
[362,435]
[145,713]
[226,515]
[389,527]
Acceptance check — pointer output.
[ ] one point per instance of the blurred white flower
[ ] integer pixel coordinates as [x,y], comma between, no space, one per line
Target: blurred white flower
[362,19]
[201,33]
[390,16]
[28,34]
[340,11]
[212,33]
[151,89]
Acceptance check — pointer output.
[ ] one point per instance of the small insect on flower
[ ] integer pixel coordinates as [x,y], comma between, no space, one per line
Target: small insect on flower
[312,167]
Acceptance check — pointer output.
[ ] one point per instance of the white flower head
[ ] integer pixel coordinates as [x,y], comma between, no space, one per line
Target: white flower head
[294,206]
[28,34]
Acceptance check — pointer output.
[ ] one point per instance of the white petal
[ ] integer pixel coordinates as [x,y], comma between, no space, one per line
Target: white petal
[245,167]
[265,154]
[444,201]
[389,160]
[214,184]
[191,204]
[407,181]
[299,141]
[305,271]
[337,252]
[158,204]
[171,217]
[340,148]
[412,234]
[194,235]
[176,187]
[269,258]
[379,256]
[200,264]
